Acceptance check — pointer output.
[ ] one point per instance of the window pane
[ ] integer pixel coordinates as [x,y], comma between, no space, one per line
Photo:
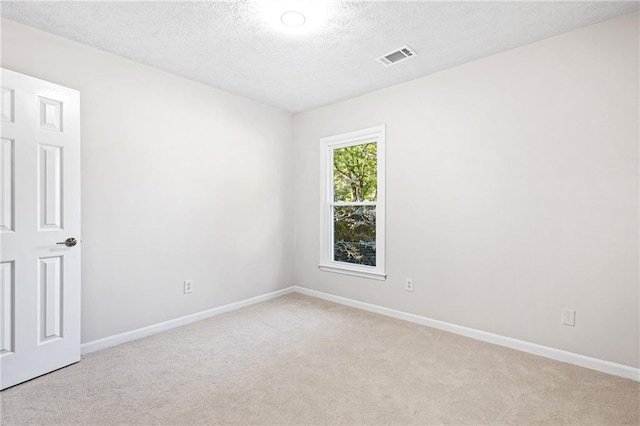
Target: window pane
[355,173]
[354,234]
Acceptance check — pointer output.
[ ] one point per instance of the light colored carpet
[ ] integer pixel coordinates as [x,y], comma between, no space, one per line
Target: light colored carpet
[301,360]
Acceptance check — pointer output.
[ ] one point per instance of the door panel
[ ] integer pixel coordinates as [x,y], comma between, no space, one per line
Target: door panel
[39,208]
[50,187]
[50,306]
[6,185]
[6,307]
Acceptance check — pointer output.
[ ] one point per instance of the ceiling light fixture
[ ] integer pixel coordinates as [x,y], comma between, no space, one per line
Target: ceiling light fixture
[293,19]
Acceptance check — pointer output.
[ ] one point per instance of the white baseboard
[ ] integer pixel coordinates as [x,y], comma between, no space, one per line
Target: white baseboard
[107,342]
[532,348]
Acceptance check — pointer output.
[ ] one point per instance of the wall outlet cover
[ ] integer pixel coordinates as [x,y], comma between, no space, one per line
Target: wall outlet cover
[408,284]
[569,317]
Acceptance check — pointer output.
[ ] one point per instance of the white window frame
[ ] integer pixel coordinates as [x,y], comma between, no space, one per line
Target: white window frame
[327,145]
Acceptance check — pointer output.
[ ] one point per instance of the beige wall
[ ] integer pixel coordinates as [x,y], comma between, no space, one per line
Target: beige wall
[179,181]
[512,192]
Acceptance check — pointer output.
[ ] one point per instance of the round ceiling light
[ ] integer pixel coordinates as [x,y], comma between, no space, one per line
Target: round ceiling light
[293,19]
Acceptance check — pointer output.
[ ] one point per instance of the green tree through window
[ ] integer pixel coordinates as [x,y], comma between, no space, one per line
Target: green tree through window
[355,182]
[355,176]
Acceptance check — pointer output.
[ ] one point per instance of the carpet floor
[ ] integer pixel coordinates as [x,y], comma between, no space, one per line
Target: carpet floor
[302,360]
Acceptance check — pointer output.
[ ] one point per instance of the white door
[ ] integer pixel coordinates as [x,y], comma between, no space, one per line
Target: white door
[39,209]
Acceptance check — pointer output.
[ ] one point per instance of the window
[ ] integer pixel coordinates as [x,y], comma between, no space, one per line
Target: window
[352,203]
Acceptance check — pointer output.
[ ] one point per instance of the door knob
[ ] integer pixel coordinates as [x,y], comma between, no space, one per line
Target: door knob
[69,242]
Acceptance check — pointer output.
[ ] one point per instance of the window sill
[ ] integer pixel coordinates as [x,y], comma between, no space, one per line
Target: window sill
[356,273]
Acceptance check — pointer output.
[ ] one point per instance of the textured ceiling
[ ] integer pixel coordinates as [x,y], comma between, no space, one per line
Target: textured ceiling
[241,47]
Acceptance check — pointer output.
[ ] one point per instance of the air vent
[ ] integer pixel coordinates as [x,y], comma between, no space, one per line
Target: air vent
[396,56]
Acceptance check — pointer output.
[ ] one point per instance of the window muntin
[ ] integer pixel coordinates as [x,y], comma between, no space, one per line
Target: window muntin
[352,208]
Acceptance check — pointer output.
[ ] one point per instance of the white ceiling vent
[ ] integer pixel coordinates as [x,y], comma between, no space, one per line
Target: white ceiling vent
[396,56]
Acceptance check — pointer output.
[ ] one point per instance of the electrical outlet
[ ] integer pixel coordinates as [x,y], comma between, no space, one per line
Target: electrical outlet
[569,317]
[188,286]
[408,284]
